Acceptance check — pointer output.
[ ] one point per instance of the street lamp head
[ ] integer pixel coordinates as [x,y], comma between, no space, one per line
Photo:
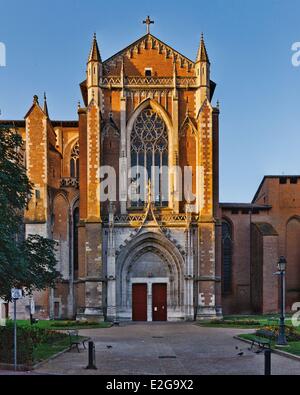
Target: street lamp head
[282,264]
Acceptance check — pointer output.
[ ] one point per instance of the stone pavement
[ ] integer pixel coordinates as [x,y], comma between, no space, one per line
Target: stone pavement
[135,349]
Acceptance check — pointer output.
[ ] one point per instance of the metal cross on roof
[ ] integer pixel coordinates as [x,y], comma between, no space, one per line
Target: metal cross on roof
[148,22]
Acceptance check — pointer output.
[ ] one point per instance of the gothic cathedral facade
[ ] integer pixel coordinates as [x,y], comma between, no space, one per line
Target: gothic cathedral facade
[153,256]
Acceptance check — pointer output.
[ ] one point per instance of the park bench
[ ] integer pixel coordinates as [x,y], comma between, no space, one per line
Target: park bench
[262,339]
[76,340]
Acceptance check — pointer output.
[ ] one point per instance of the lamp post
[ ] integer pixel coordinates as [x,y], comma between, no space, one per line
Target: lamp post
[281,341]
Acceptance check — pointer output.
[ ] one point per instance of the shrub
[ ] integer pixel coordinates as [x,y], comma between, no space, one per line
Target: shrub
[290,331]
[28,338]
[25,346]
[240,322]
[70,324]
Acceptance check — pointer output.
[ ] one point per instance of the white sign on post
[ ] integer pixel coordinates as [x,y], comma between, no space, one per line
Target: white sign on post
[2,317]
[32,306]
[16,293]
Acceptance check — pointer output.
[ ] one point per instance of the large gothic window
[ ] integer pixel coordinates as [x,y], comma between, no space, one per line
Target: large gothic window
[74,162]
[227,250]
[149,155]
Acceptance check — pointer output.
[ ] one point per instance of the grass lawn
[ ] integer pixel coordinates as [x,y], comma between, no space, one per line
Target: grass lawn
[256,322]
[292,348]
[65,325]
[45,350]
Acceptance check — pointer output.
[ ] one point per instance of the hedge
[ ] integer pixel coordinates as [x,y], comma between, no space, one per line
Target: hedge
[28,338]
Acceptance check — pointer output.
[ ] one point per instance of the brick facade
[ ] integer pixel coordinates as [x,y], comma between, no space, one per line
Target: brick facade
[261,232]
[105,247]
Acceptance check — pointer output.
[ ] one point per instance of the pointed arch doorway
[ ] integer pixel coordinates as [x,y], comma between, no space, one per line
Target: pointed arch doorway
[159,302]
[139,302]
[150,280]
[150,300]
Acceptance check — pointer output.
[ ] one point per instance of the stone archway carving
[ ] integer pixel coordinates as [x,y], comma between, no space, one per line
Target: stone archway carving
[165,252]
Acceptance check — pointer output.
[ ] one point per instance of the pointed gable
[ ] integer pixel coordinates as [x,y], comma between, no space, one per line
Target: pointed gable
[35,105]
[149,51]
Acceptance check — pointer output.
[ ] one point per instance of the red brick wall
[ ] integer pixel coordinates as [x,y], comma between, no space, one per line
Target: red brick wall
[284,199]
[270,282]
[188,157]
[239,300]
[257,261]
[110,157]
[83,163]
[161,66]
[293,265]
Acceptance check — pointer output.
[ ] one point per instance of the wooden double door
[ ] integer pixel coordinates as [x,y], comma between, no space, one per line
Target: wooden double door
[140,302]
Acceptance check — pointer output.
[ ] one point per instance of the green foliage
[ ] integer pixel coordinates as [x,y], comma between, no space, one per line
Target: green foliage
[30,340]
[65,325]
[272,332]
[30,263]
[74,324]
[24,350]
[241,322]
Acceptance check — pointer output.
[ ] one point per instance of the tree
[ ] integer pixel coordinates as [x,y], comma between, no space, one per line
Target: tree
[30,263]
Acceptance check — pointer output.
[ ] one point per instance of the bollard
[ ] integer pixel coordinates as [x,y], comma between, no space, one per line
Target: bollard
[92,357]
[268,363]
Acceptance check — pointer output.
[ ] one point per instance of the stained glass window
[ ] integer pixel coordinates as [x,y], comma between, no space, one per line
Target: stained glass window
[149,152]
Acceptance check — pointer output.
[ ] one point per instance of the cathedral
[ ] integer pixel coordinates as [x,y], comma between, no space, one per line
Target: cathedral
[130,192]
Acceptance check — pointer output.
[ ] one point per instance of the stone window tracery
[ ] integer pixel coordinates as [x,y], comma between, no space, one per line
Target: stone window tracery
[227,252]
[74,161]
[149,150]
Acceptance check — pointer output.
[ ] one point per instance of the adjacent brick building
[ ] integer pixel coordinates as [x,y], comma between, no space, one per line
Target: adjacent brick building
[254,236]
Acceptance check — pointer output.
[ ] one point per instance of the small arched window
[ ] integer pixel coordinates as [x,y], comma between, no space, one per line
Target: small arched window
[74,161]
[227,250]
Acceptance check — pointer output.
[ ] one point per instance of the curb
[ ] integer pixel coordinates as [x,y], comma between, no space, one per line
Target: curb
[30,368]
[39,364]
[274,351]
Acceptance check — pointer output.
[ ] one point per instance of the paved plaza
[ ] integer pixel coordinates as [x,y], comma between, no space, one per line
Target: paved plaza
[167,349]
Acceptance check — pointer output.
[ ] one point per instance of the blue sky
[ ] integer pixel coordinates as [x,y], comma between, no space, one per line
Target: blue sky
[249,44]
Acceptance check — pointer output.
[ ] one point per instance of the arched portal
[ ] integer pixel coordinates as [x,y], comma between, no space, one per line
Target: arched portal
[150,260]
